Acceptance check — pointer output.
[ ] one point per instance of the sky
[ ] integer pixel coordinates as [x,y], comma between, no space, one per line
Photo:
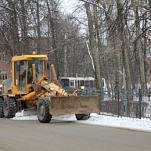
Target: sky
[71,7]
[68,6]
[99,120]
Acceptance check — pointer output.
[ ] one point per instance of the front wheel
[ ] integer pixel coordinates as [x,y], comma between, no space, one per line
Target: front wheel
[9,107]
[82,116]
[1,107]
[43,111]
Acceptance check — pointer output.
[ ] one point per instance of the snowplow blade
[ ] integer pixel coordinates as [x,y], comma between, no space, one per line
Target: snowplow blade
[74,105]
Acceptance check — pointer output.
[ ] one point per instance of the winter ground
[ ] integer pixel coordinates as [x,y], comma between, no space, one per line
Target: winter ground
[101,120]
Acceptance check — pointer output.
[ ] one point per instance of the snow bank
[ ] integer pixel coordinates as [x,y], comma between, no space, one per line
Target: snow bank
[102,120]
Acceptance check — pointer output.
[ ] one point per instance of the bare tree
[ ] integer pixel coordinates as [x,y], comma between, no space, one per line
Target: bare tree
[93,44]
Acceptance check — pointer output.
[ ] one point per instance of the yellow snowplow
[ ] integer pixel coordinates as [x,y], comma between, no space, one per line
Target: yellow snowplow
[29,88]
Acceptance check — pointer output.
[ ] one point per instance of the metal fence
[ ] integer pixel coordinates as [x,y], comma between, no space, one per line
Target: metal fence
[130,103]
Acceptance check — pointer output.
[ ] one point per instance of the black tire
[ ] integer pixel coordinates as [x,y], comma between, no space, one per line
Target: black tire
[43,111]
[82,116]
[9,107]
[1,107]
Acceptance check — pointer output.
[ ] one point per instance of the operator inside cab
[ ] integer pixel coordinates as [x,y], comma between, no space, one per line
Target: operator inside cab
[29,73]
[38,65]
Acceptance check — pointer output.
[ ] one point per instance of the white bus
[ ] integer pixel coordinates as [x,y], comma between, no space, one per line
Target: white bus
[77,82]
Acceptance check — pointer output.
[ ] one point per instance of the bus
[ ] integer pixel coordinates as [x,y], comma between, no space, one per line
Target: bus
[71,83]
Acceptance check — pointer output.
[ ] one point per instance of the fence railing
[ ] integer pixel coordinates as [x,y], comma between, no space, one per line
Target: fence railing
[130,103]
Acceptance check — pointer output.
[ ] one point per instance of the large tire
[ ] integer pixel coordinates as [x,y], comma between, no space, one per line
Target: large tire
[9,107]
[1,107]
[43,111]
[82,116]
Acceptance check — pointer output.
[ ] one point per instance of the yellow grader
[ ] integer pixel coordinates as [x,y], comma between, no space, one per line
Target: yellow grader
[29,88]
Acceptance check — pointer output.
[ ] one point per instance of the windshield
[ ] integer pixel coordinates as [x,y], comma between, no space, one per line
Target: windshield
[38,65]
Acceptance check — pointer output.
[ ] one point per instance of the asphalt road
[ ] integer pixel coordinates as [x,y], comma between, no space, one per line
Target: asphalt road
[68,136]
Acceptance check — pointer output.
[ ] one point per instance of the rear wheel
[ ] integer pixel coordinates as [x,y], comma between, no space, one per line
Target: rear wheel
[1,107]
[82,116]
[43,111]
[9,107]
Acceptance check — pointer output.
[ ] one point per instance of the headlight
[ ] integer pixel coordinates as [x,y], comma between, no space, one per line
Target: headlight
[51,88]
[82,87]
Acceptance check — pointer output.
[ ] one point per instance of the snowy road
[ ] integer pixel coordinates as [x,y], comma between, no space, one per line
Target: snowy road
[23,135]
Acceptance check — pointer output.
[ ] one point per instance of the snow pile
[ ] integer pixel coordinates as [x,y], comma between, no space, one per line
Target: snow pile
[120,122]
[102,120]
[20,116]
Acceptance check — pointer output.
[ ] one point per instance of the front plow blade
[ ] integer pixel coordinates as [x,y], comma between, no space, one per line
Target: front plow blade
[74,105]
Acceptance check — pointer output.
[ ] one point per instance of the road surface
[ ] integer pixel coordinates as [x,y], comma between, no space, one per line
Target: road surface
[68,136]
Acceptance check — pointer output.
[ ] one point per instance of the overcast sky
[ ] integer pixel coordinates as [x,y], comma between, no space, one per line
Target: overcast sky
[69,5]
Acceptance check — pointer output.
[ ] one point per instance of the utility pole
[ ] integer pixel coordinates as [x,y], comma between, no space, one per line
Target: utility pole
[65,55]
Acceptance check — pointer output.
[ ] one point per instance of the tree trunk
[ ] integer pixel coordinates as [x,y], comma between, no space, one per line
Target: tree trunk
[38,28]
[93,46]
[126,62]
[137,45]
[149,1]
[51,20]
[65,55]
[14,27]
[23,20]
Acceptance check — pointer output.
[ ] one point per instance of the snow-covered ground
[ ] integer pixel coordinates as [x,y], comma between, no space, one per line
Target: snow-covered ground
[102,120]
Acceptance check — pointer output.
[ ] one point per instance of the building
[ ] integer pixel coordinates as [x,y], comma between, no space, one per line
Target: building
[5,69]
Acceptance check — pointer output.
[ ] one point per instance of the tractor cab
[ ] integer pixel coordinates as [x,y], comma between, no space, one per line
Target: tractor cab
[22,71]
